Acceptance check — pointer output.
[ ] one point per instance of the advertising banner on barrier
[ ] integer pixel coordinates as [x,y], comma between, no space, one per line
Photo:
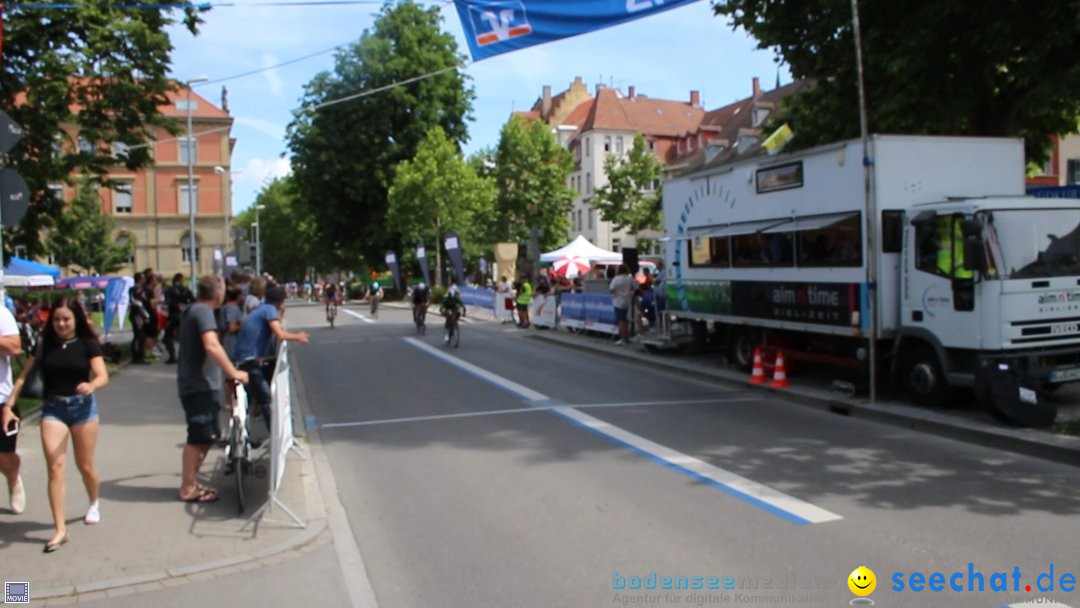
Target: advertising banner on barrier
[591,311]
[476,297]
[542,311]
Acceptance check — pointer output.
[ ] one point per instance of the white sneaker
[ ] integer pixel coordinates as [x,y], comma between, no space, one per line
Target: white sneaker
[619,343]
[18,496]
[446,337]
[93,514]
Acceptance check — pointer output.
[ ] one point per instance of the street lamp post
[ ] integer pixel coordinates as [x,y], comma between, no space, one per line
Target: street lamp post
[258,242]
[191,181]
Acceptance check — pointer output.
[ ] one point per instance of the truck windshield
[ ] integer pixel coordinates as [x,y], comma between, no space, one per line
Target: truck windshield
[1034,243]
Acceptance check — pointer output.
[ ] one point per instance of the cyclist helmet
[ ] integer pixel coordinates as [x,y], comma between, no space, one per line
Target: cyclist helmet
[453,290]
[421,286]
[375,285]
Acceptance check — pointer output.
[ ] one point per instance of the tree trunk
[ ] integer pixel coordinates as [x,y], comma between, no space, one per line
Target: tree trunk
[438,252]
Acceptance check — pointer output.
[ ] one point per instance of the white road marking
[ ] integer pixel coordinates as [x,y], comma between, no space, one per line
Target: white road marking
[778,503]
[357,316]
[508,385]
[519,410]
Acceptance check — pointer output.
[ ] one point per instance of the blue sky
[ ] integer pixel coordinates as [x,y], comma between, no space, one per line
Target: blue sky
[665,55]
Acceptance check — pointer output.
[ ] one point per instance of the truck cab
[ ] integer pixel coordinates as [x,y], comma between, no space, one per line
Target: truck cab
[992,281]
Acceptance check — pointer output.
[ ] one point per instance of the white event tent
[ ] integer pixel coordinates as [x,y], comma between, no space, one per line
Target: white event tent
[581,248]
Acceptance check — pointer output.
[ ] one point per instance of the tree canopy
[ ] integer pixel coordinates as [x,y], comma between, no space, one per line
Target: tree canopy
[344,155]
[625,200]
[286,232]
[437,191]
[83,237]
[531,170]
[79,78]
[948,68]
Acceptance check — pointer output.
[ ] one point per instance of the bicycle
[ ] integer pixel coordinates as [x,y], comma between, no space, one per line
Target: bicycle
[331,313]
[419,318]
[375,305]
[238,449]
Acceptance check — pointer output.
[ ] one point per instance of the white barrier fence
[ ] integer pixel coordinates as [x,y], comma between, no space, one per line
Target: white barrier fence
[282,439]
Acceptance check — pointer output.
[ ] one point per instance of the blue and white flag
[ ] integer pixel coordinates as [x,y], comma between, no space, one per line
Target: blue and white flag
[493,27]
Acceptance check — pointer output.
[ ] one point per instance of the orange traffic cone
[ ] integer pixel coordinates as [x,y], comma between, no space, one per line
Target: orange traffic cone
[780,375]
[758,375]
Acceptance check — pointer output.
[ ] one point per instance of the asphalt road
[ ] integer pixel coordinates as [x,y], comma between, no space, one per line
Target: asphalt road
[513,472]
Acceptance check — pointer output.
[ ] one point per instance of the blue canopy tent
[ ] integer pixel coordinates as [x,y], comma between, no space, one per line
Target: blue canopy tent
[25,273]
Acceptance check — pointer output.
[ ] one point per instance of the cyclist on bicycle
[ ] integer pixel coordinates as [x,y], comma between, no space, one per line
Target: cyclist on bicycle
[331,295]
[453,309]
[420,298]
[375,295]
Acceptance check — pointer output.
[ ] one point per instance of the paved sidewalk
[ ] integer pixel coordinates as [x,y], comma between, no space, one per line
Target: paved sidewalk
[146,535]
[955,425]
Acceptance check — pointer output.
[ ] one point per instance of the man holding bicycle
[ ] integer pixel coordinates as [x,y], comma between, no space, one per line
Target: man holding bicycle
[255,343]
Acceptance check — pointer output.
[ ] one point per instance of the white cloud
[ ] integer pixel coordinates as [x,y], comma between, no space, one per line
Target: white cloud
[253,176]
[272,76]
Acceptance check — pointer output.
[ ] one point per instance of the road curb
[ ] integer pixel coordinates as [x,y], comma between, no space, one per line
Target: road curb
[314,529]
[1047,446]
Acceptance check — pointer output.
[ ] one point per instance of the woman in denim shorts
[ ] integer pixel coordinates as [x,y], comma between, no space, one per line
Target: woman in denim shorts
[72,367]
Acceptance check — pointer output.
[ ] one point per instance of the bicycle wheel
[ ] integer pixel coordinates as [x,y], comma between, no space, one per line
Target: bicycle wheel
[333,314]
[237,458]
[455,335]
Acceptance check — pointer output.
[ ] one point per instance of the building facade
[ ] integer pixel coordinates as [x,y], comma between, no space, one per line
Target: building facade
[1063,166]
[681,133]
[150,206]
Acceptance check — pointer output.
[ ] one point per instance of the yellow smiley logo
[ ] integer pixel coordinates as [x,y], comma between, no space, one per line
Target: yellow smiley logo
[862,581]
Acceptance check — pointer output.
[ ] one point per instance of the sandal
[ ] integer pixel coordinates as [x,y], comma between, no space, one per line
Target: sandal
[203,495]
[54,545]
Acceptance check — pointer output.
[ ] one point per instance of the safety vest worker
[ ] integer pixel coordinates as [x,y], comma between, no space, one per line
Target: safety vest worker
[950,256]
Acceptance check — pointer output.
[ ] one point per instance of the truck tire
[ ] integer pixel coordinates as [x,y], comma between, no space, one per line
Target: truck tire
[1005,396]
[741,345]
[921,377]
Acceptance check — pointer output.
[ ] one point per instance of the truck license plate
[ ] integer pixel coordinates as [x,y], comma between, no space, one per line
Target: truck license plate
[1065,375]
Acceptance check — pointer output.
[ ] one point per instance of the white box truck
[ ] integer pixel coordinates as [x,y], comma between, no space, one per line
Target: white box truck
[969,273]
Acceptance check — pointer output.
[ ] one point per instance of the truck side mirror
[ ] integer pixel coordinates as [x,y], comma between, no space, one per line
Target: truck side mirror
[971,227]
[974,254]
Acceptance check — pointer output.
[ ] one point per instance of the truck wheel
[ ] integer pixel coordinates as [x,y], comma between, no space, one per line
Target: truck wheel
[922,379]
[741,345]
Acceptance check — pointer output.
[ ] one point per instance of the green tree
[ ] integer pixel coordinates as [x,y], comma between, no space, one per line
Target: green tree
[531,170]
[438,191]
[947,68]
[83,235]
[110,64]
[344,155]
[287,232]
[624,201]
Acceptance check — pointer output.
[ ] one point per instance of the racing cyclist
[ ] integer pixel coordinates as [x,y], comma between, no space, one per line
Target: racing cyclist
[420,298]
[331,294]
[453,309]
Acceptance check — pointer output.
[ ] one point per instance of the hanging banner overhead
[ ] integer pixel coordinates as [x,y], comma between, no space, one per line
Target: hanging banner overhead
[395,270]
[493,27]
[453,248]
[421,255]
